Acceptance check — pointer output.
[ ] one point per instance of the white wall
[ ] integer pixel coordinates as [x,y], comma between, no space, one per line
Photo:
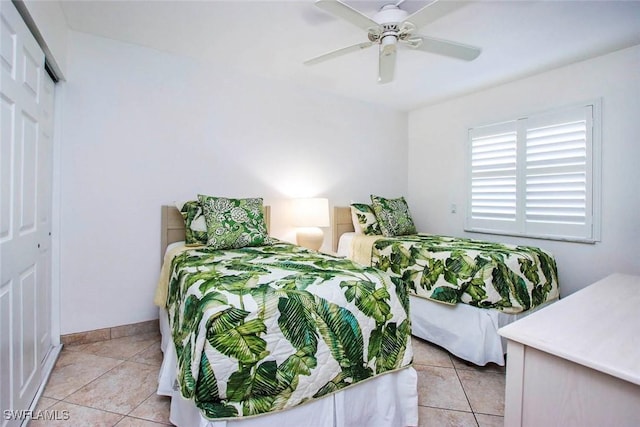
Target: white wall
[142,128]
[438,134]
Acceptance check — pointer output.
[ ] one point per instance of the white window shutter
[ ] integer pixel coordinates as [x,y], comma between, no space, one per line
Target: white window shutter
[535,177]
[557,186]
[493,174]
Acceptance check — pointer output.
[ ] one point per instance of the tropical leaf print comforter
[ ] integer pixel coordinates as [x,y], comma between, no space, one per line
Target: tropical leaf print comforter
[267,328]
[456,270]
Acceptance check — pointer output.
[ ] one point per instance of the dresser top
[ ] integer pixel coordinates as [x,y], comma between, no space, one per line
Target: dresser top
[598,327]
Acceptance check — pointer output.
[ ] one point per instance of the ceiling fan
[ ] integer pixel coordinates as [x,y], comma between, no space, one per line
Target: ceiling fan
[391,27]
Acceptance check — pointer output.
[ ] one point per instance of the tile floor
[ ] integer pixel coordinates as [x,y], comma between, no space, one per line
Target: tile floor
[113,383]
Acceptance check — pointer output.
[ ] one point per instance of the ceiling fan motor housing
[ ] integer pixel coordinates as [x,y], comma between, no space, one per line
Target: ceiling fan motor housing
[389,19]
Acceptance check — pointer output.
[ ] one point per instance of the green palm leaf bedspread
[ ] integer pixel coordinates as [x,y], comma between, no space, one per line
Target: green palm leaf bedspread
[457,270]
[267,328]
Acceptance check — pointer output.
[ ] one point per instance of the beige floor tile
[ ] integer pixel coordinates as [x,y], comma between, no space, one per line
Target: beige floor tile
[485,391]
[66,414]
[425,353]
[137,422]
[489,420]
[155,408]
[114,382]
[120,390]
[119,348]
[435,417]
[440,388]
[151,356]
[74,370]
[45,403]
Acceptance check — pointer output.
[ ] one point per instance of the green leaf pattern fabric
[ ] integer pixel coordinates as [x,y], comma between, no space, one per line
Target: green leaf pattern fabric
[262,329]
[194,222]
[393,216]
[479,273]
[234,223]
[365,218]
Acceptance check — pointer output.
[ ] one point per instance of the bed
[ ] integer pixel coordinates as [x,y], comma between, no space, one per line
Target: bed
[464,323]
[285,336]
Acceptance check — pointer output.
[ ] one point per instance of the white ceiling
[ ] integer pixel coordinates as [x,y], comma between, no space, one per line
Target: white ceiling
[273,38]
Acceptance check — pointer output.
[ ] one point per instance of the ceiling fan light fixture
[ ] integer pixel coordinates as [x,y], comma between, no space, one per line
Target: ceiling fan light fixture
[388,44]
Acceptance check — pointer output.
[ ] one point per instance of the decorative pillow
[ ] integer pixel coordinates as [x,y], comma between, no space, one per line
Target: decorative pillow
[194,223]
[234,223]
[393,215]
[364,219]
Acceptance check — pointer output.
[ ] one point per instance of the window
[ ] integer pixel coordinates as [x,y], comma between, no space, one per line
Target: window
[536,176]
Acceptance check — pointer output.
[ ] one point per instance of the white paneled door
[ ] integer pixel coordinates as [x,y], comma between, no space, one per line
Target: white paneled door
[26,158]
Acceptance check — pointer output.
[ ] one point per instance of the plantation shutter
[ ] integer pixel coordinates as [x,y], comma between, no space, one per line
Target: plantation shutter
[558,185]
[493,176]
[534,176]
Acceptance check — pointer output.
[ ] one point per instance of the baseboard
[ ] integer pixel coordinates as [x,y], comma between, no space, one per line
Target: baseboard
[105,334]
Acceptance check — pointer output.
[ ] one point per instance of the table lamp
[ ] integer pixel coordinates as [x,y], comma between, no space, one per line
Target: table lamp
[308,215]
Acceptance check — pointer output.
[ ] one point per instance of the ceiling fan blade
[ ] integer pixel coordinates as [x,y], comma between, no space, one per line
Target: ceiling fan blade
[386,63]
[338,52]
[347,13]
[433,11]
[445,47]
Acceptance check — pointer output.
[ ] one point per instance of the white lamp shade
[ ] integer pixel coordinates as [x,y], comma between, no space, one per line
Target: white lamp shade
[311,212]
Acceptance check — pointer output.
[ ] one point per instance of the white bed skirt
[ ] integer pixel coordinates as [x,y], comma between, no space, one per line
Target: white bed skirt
[390,400]
[466,331]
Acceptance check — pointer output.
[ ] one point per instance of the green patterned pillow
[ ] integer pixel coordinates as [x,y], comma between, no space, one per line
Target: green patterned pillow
[234,223]
[195,226]
[393,215]
[364,219]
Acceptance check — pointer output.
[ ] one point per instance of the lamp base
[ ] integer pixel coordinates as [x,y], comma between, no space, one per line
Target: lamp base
[310,237]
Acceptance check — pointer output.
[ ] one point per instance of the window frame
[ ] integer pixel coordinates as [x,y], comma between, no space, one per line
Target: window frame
[519,226]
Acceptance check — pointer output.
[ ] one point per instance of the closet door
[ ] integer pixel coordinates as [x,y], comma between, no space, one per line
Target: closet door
[26,106]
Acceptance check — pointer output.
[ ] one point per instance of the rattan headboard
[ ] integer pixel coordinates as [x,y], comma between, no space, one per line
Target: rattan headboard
[342,223]
[172,226]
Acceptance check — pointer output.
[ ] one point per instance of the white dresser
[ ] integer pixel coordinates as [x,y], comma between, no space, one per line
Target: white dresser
[577,361]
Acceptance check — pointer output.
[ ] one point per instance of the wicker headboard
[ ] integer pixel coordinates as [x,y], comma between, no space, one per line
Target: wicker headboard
[172,226]
[342,223]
